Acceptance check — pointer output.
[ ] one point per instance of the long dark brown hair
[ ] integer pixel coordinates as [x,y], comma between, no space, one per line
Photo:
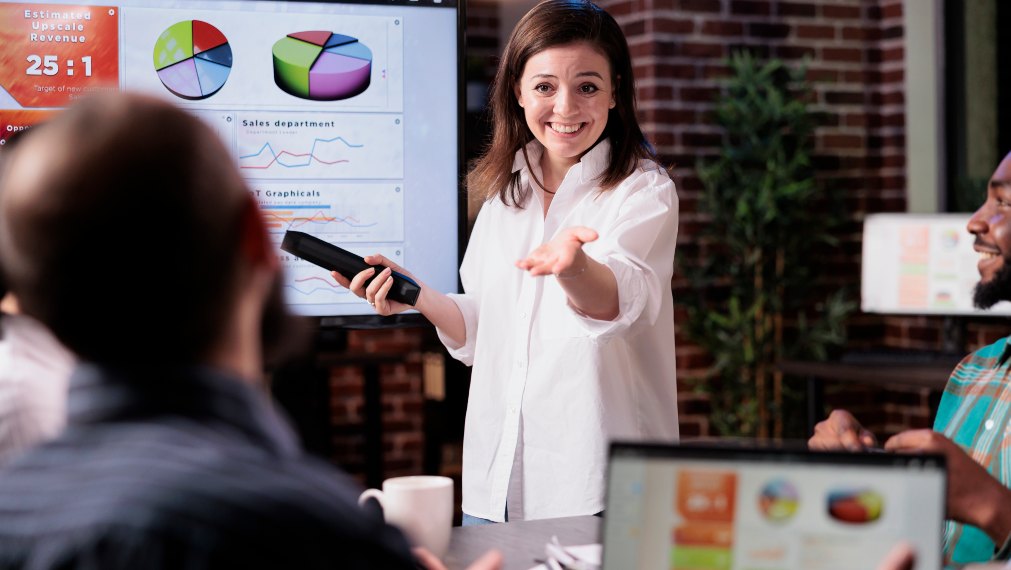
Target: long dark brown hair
[554,23]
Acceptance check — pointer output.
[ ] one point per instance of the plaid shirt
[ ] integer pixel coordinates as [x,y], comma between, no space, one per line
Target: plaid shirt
[974,413]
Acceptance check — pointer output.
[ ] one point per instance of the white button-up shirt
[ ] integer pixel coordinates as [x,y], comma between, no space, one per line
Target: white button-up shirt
[574,382]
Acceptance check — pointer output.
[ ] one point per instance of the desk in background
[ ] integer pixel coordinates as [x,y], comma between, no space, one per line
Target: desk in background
[884,373]
[520,542]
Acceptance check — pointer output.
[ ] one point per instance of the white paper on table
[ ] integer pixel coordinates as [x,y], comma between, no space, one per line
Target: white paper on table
[586,552]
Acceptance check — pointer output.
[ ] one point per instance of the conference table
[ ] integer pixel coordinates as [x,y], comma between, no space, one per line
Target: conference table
[521,543]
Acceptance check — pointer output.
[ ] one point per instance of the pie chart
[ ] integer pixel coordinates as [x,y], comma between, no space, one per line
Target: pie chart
[192,59]
[322,66]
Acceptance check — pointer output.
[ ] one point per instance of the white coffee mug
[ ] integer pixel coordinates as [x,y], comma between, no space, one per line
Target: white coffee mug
[421,506]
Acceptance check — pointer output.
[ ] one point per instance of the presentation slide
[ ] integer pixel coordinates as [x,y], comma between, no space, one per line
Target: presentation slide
[342,117]
[721,515]
[920,264]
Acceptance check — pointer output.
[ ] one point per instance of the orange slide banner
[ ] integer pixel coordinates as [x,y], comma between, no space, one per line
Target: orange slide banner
[55,53]
[14,121]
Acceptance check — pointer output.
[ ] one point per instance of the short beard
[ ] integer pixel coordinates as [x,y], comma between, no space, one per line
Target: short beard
[996,290]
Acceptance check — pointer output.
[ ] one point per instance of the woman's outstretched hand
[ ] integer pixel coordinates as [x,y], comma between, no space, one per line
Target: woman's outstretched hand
[562,256]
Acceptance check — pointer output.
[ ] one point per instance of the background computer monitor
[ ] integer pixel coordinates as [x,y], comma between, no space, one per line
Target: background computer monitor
[344,117]
[920,264]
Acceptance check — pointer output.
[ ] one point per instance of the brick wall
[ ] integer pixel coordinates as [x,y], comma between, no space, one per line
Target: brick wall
[854,50]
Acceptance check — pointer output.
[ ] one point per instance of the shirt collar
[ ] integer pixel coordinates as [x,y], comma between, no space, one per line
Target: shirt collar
[1006,353]
[590,166]
[102,395]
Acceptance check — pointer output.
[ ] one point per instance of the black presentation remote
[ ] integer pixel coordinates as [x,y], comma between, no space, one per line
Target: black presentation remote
[334,258]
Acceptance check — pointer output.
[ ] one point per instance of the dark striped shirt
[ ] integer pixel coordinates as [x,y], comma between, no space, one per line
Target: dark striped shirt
[188,470]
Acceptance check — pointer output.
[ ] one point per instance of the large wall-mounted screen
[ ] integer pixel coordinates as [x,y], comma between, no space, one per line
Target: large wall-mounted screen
[342,116]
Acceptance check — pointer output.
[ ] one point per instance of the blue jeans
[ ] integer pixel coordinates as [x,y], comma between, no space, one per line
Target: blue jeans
[469,520]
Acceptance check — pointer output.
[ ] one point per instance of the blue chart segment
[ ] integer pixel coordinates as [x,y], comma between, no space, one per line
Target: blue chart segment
[327,146]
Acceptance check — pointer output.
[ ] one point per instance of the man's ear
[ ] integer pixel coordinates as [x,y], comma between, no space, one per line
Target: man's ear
[256,245]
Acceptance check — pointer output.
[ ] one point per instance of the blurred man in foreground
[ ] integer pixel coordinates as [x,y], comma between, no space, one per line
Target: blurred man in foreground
[972,424]
[127,230]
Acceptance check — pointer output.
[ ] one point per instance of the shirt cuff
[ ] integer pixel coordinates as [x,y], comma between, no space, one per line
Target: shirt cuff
[632,298]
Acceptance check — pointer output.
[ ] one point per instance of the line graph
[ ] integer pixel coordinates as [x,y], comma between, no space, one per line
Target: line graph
[356,212]
[302,159]
[302,146]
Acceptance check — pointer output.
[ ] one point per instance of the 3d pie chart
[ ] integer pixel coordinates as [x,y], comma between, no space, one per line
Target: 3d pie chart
[855,506]
[322,66]
[192,59]
[779,500]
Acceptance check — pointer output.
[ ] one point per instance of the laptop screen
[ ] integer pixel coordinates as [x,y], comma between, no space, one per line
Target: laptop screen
[719,508]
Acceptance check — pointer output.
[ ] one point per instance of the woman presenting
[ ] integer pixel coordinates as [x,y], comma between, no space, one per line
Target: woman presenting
[567,316]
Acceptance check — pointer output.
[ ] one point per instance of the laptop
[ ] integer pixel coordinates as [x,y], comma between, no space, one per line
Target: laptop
[734,508]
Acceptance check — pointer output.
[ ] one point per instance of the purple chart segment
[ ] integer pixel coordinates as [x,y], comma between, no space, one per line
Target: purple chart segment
[338,77]
[322,66]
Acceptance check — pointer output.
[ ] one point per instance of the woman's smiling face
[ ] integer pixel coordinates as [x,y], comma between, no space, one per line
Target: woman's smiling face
[566,92]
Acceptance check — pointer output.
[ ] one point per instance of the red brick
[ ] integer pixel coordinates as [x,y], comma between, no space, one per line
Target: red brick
[806,10]
[722,28]
[894,76]
[795,52]
[614,8]
[852,55]
[699,5]
[699,94]
[696,140]
[892,32]
[634,28]
[750,7]
[837,12]
[822,75]
[859,33]
[655,92]
[815,32]
[715,71]
[844,98]
[675,71]
[855,120]
[695,49]
[842,141]
[892,10]
[770,31]
[893,54]
[670,26]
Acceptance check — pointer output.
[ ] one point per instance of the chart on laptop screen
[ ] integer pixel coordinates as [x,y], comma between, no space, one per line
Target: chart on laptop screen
[737,515]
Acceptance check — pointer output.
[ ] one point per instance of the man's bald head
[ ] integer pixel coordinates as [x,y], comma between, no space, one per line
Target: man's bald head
[127,214]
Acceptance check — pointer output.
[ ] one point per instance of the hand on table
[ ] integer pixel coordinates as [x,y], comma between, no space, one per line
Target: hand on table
[562,256]
[491,560]
[974,496]
[841,431]
[376,291]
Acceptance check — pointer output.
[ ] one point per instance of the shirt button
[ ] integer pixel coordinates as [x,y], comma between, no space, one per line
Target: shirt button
[988,424]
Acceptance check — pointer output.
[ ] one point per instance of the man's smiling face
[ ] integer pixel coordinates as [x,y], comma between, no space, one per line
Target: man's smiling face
[991,224]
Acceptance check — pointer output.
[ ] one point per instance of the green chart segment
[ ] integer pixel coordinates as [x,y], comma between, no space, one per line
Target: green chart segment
[192,59]
[322,66]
